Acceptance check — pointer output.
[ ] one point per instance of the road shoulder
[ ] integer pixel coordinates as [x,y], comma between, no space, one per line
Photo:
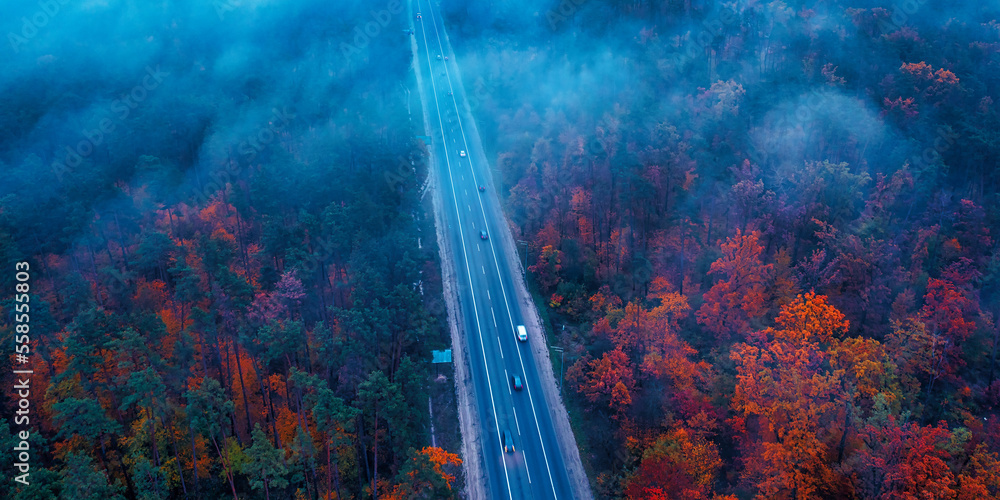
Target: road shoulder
[472,466]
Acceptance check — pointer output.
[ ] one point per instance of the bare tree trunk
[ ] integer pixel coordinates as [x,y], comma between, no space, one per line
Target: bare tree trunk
[243,389]
[225,465]
[375,475]
[177,458]
[993,355]
[194,460]
[152,436]
[121,240]
[843,438]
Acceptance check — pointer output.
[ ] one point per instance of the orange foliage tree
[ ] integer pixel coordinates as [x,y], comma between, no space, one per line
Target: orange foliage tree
[426,475]
[546,270]
[742,293]
[678,465]
[608,380]
[904,462]
[928,347]
[786,400]
[981,477]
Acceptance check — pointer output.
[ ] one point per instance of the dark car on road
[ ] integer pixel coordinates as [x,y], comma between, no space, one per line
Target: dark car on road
[516,382]
[482,235]
[508,442]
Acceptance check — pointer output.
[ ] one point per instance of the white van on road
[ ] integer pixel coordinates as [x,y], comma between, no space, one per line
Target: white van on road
[522,333]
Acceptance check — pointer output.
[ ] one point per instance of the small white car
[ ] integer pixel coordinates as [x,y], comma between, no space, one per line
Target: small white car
[462,153]
[522,333]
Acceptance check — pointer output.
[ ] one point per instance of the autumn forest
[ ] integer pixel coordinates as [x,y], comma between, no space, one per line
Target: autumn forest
[764,235]
[227,287]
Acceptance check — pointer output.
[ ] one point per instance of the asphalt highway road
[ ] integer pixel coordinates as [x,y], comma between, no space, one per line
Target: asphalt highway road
[489,313]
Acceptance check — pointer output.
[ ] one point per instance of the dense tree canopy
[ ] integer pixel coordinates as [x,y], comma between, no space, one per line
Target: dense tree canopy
[227,288]
[782,221]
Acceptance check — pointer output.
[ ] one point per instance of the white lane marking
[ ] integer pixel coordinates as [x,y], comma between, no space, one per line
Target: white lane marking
[484,269]
[488,297]
[512,410]
[501,349]
[524,456]
[468,272]
[465,141]
[494,318]
[506,376]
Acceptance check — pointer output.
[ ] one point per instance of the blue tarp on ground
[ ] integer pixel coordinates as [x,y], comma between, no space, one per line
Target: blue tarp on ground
[441,356]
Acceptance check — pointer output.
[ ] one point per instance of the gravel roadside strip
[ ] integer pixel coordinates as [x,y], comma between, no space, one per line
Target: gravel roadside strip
[475,477]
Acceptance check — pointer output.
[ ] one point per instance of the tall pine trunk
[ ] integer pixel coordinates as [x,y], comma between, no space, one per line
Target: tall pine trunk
[243,389]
